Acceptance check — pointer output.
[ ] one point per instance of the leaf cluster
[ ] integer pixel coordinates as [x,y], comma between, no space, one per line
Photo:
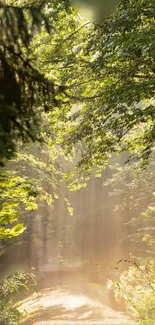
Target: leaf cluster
[12,285]
[137,287]
[16,194]
[120,116]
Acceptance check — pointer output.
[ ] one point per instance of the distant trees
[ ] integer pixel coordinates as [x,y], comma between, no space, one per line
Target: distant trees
[132,190]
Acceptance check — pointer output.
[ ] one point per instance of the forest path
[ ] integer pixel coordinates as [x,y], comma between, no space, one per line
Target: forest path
[71,304]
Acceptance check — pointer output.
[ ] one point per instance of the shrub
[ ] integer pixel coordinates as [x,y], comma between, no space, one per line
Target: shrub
[9,288]
[137,288]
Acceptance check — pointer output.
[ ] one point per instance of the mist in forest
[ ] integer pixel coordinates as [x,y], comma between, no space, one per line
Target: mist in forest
[77,161]
[90,240]
[78,241]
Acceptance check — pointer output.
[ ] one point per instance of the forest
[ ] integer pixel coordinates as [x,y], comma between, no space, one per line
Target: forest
[77,149]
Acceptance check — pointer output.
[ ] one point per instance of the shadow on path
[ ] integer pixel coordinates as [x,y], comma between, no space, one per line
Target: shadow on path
[67,303]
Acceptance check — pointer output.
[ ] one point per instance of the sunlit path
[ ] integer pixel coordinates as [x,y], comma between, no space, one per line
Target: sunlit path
[68,303]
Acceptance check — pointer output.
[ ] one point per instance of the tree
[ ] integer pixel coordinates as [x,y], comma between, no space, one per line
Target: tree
[120,117]
[30,82]
[25,95]
[25,92]
[132,190]
[137,287]
[117,94]
[17,195]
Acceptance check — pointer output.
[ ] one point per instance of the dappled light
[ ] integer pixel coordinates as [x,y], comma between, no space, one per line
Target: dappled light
[68,302]
[77,162]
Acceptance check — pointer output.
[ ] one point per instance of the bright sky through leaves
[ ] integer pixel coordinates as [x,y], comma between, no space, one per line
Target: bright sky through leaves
[97,10]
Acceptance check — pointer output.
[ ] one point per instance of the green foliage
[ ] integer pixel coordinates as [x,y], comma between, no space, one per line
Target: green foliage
[17,18]
[15,194]
[39,164]
[132,190]
[137,287]
[25,91]
[99,80]
[17,76]
[9,288]
[120,55]
[95,85]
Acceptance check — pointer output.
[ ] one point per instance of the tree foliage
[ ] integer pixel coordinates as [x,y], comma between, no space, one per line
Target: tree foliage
[123,52]
[9,288]
[133,192]
[16,193]
[95,85]
[111,82]
[137,287]
[24,90]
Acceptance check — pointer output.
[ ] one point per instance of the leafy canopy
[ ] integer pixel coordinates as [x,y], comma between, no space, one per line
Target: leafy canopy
[25,92]
[120,116]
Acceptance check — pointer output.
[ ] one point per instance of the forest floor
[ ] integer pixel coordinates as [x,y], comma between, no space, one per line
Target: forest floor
[64,304]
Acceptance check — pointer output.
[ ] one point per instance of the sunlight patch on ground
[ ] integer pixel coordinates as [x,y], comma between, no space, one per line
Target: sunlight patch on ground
[93,322]
[62,305]
[52,298]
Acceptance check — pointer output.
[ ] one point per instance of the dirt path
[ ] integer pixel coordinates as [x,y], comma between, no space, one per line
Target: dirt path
[70,304]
